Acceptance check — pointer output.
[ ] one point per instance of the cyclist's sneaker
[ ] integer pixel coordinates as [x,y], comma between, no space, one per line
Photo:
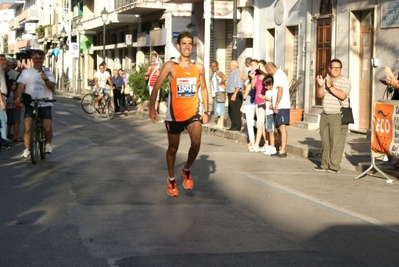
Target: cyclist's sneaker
[172,188]
[26,154]
[49,149]
[188,182]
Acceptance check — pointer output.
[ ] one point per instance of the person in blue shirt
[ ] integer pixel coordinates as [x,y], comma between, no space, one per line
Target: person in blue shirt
[119,87]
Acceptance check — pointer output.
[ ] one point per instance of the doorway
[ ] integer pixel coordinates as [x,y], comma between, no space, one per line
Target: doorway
[323,50]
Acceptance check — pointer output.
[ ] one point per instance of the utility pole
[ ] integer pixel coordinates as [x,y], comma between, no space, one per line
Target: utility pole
[234,52]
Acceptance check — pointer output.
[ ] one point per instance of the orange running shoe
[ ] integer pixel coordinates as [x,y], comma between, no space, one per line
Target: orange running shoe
[172,188]
[188,182]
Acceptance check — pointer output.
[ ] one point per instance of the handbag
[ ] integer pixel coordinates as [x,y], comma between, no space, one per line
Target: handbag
[346,113]
[221,97]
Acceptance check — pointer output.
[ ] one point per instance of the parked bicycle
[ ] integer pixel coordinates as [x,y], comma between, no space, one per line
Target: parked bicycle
[37,137]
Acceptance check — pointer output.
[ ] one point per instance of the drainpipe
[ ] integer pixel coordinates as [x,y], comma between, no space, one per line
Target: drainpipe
[234,52]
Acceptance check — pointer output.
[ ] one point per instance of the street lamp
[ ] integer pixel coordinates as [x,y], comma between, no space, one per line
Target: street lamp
[62,43]
[79,28]
[104,17]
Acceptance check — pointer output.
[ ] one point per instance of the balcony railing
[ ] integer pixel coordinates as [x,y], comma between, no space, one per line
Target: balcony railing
[122,3]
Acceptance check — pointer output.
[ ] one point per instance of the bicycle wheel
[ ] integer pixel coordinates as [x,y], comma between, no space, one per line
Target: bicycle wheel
[34,143]
[87,103]
[42,143]
[110,108]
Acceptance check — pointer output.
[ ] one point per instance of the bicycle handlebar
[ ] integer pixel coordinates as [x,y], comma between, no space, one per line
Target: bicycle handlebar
[43,100]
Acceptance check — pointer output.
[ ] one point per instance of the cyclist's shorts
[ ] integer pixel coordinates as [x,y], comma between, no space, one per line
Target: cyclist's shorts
[101,91]
[44,112]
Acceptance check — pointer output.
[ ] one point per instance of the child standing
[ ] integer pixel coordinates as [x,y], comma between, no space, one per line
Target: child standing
[271,128]
[15,111]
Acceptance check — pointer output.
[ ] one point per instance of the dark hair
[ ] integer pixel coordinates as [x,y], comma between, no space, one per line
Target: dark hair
[38,52]
[102,64]
[184,35]
[336,60]
[268,80]
[249,76]
[263,62]
[214,61]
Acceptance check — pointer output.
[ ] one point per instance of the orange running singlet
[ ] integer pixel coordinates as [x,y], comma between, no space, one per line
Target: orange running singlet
[183,102]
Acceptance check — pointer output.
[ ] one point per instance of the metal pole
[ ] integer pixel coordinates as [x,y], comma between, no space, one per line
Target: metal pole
[62,65]
[234,52]
[104,42]
[79,74]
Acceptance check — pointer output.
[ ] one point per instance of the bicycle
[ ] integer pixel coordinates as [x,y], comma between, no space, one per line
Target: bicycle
[105,106]
[37,137]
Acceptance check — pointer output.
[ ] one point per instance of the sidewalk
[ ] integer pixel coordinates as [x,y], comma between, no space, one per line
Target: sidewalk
[306,144]
[302,143]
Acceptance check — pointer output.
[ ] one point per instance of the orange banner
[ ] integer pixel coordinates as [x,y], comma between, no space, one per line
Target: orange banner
[386,128]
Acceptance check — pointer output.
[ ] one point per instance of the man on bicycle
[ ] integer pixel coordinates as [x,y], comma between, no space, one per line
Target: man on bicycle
[38,83]
[101,78]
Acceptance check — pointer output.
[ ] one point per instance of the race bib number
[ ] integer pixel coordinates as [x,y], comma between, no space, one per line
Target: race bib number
[186,87]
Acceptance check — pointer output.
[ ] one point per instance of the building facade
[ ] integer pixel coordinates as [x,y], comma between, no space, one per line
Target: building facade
[301,37]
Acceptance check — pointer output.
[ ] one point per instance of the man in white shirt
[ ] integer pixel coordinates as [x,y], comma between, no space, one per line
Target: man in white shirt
[281,105]
[101,78]
[38,83]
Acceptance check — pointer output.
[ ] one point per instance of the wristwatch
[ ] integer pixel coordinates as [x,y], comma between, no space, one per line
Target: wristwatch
[207,113]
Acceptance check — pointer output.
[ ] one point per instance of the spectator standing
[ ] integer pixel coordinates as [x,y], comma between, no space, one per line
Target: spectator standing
[16,112]
[11,86]
[234,95]
[118,85]
[12,74]
[260,109]
[3,103]
[185,77]
[218,85]
[334,90]
[245,75]
[249,110]
[126,91]
[268,83]
[151,77]
[281,105]
[39,84]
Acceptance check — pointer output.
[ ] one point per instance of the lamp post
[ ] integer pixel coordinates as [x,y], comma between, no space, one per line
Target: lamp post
[79,28]
[104,17]
[63,35]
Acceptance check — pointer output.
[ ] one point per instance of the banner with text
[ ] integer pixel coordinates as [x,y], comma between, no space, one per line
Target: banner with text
[386,128]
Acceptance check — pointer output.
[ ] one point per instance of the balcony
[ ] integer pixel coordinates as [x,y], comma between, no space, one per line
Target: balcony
[16,4]
[26,16]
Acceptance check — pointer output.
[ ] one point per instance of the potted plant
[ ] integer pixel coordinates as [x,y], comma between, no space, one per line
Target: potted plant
[296,113]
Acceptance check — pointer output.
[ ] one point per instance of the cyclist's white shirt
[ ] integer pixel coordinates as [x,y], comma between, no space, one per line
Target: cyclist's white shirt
[35,86]
[102,78]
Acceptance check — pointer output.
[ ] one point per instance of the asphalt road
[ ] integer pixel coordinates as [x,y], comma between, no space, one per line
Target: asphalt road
[100,200]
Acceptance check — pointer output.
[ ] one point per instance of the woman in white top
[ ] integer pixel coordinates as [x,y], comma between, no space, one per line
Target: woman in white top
[218,85]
